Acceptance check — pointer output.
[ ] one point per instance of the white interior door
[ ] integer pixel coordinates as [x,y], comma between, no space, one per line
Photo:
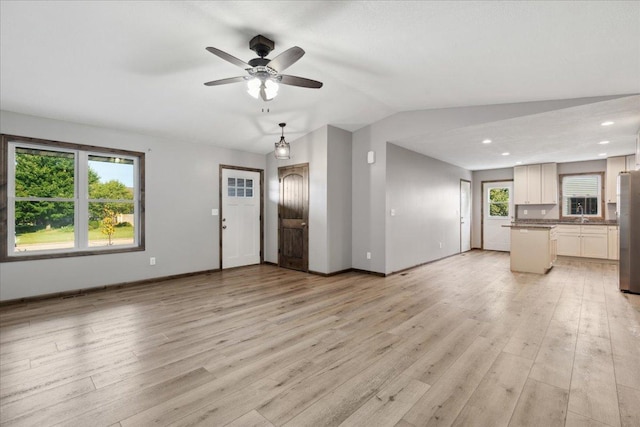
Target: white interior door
[240,218]
[465,216]
[498,211]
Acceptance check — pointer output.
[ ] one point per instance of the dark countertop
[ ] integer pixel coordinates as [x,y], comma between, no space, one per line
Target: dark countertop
[563,222]
[531,226]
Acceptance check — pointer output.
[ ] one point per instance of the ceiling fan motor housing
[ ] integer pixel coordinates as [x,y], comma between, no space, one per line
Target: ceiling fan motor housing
[261,45]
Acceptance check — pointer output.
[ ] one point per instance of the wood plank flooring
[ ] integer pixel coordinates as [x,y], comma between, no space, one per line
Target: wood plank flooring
[462,341]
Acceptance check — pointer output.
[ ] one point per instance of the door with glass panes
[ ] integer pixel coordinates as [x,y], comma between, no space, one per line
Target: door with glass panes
[498,210]
[240,217]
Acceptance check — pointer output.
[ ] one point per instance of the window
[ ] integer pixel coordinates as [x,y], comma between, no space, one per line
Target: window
[65,199]
[239,187]
[499,202]
[582,195]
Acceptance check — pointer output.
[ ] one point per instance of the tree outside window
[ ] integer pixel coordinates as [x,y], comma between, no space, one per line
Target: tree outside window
[499,202]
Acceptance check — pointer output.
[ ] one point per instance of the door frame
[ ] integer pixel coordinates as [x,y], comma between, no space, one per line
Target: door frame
[306,208]
[482,202]
[220,213]
[470,212]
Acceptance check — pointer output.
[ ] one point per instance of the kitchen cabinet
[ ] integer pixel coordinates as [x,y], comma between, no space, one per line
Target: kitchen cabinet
[569,240]
[613,240]
[590,241]
[535,184]
[533,248]
[549,184]
[615,165]
[630,162]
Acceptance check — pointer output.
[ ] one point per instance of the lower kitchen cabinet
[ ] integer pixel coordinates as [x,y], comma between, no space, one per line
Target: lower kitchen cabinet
[590,241]
[614,238]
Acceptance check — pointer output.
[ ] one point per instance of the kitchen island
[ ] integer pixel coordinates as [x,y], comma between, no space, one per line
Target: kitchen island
[534,247]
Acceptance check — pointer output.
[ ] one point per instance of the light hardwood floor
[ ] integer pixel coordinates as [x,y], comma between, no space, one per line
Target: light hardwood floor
[462,341]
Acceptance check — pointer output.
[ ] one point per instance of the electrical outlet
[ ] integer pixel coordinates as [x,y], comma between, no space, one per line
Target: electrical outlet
[368,255]
[526,212]
[393,212]
[440,245]
[543,212]
[152,260]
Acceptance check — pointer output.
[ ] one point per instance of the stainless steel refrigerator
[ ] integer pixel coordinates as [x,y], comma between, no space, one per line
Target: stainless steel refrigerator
[629,209]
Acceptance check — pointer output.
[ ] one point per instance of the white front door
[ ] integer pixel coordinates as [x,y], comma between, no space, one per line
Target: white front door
[465,216]
[240,217]
[498,211]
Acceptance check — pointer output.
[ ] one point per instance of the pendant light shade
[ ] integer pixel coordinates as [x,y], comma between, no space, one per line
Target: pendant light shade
[283,150]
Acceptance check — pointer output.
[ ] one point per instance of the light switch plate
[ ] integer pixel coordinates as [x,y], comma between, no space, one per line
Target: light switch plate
[214,212]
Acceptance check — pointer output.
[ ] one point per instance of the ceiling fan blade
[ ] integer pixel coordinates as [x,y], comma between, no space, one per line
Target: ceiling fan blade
[226,81]
[229,58]
[300,81]
[286,59]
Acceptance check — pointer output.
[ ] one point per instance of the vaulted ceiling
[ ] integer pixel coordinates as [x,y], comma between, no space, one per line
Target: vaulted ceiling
[140,66]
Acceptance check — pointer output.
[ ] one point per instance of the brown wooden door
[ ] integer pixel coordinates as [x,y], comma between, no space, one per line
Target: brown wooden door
[293,217]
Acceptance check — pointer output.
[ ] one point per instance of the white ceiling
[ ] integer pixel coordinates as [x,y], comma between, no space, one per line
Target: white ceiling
[140,66]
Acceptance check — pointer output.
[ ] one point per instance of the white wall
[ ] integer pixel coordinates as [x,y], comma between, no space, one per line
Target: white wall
[181,189]
[424,194]
[328,152]
[339,199]
[312,149]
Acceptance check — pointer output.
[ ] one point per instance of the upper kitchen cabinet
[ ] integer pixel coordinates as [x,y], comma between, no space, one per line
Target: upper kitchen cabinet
[631,162]
[549,184]
[535,184]
[615,165]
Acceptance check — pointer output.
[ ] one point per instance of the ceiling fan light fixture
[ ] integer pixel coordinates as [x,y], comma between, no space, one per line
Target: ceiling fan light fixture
[255,85]
[271,89]
[283,149]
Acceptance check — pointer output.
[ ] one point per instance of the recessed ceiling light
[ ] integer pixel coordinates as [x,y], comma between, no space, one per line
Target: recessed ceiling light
[505,154]
[518,163]
[486,141]
[603,142]
[607,123]
[602,154]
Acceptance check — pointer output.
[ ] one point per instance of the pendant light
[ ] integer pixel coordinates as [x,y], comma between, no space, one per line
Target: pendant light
[283,150]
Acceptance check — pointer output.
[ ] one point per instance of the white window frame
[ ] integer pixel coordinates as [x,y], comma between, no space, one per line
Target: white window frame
[80,199]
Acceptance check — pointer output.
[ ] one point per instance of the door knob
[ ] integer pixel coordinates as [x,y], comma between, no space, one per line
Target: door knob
[303,224]
[224,227]
[224,219]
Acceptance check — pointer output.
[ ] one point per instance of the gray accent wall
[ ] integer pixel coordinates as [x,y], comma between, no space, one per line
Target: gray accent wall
[181,190]
[424,195]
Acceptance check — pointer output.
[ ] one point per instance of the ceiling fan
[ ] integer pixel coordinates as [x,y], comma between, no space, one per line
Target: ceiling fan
[264,74]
